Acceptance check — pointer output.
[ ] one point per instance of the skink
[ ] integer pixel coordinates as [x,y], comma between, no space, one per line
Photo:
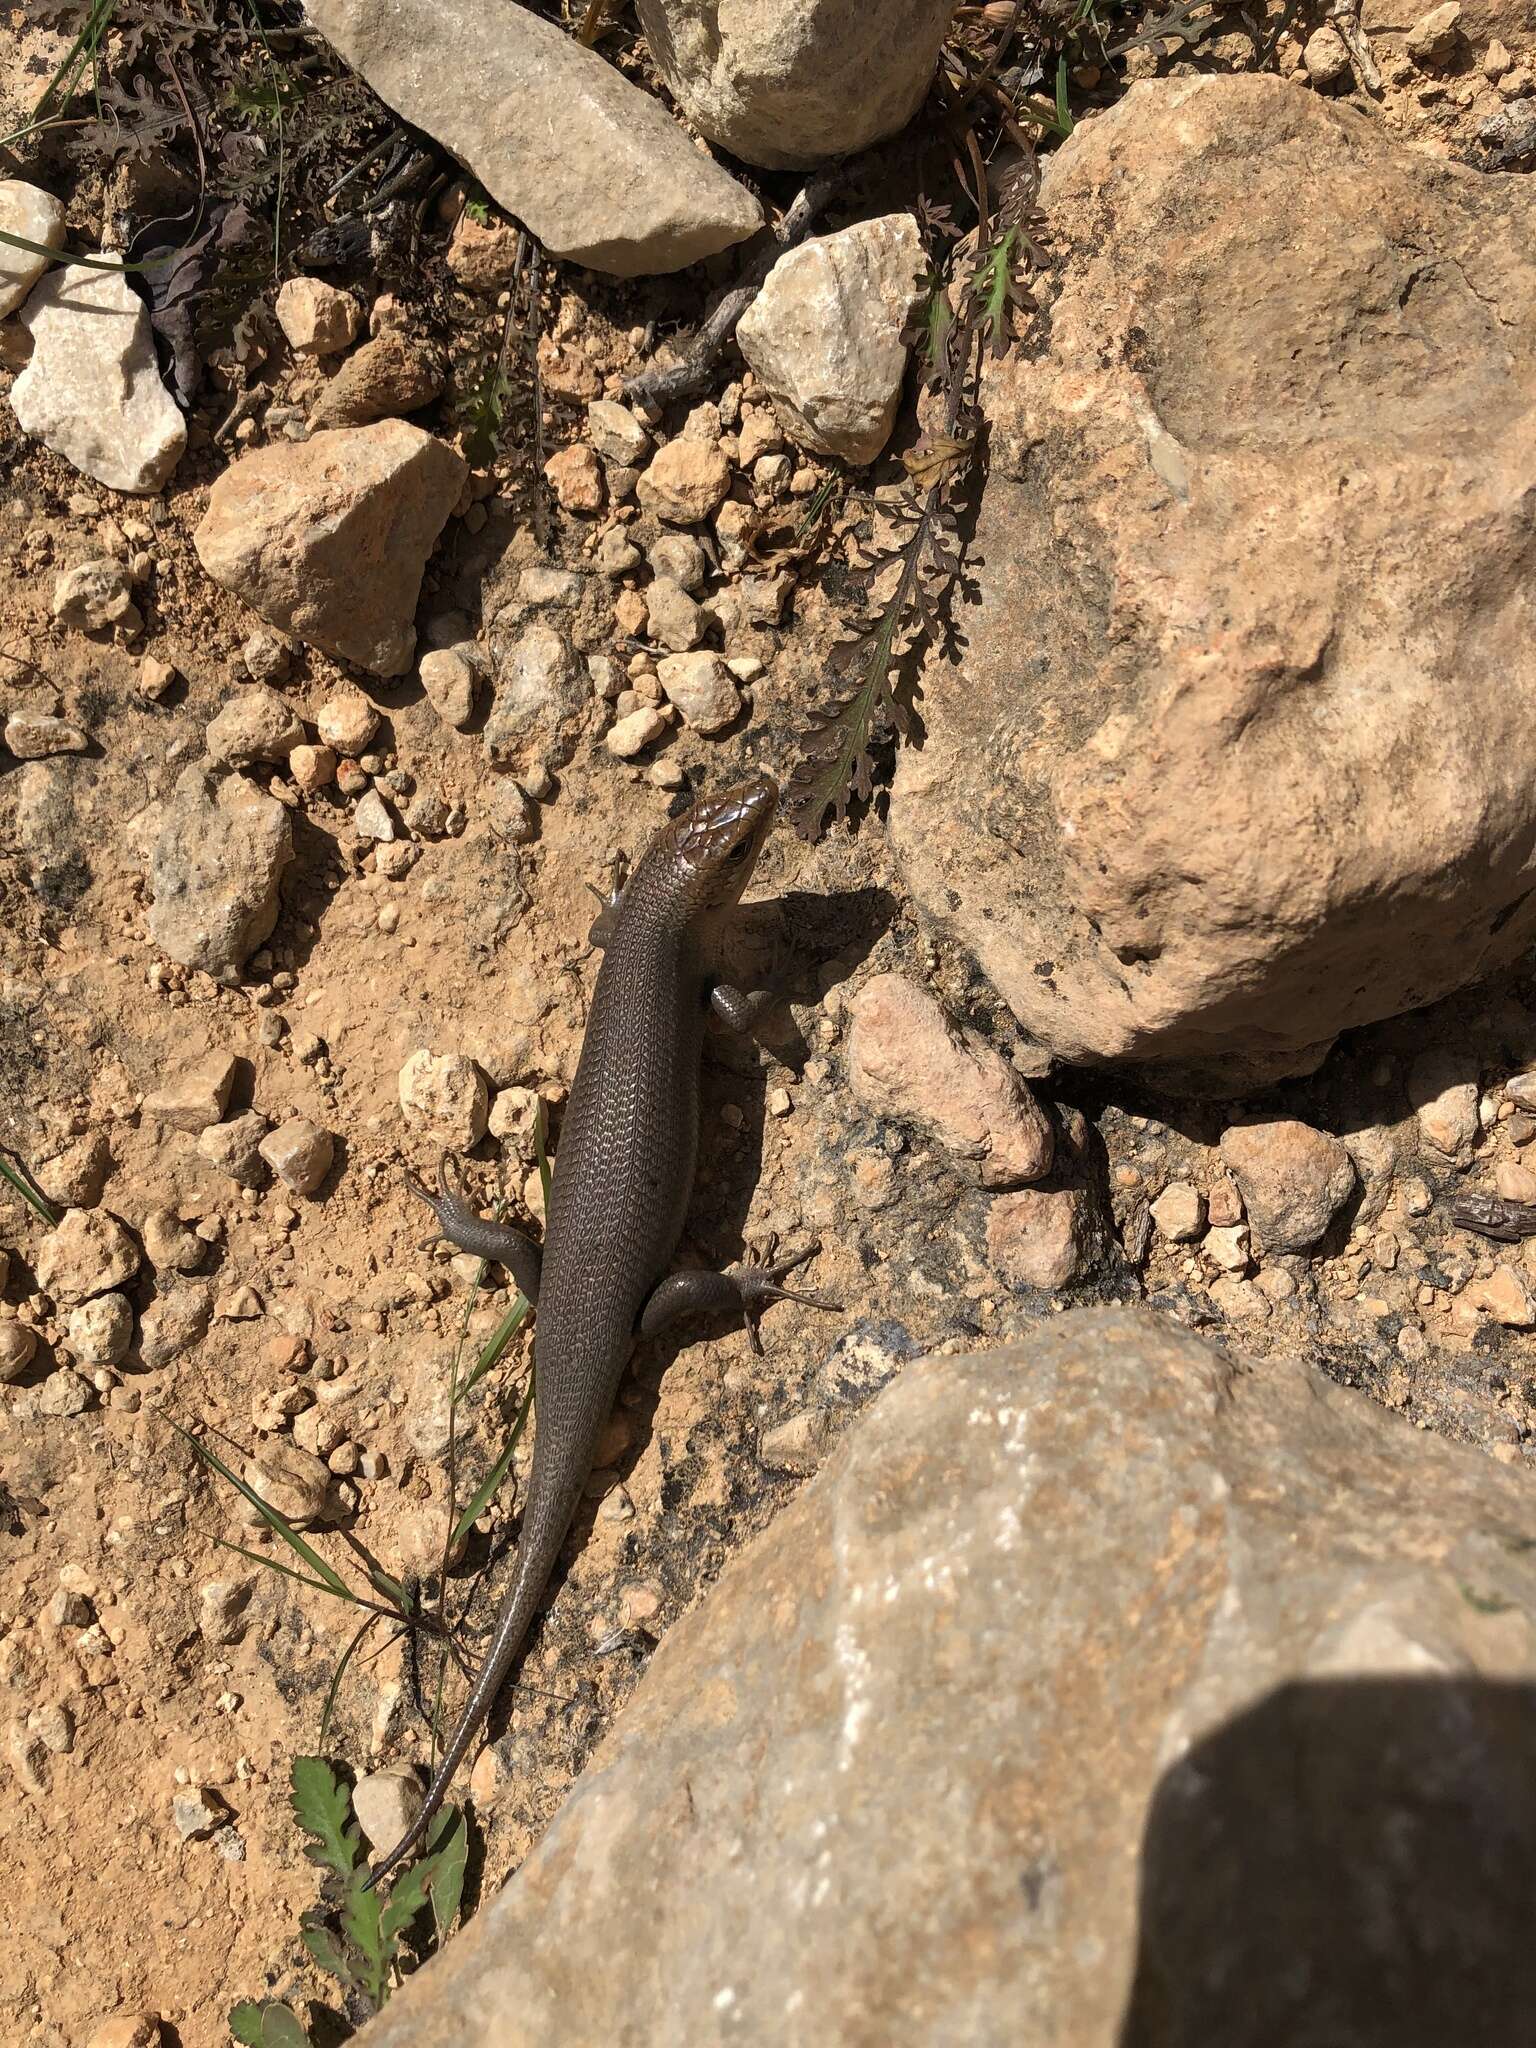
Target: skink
[622,1180]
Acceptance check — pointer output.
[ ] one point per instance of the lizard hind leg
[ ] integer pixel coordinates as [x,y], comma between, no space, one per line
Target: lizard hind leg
[461,1226]
[747,1287]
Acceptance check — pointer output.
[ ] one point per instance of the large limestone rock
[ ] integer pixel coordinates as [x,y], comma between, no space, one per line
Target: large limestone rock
[593,165]
[1242,749]
[92,389]
[794,82]
[1100,1693]
[327,538]
[824,334]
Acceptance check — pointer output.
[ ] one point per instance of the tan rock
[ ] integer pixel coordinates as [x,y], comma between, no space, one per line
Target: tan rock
[685,482]
[824,334]
[89,1251]
[255,725]
[789,83]
[1505,1297]
[1294,1180]
[1170,844]
[128,2030]
[482,254]
[221,850]
[576,477]
[622,190]
[299,1153]
[1444,1094]
[318,319]
[392,374]
[445,1093]
[1179,1212]
[327,538]
[1089,1592]
[1434,36]
[702,688]
[196,1096]
[1039,1237]
[909,1060]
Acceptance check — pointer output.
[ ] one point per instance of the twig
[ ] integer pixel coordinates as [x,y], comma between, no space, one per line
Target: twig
[660,386]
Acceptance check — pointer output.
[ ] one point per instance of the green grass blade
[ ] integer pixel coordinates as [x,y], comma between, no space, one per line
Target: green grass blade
[497,1342]
[278,1524]
[21,1181]
[272,1564]
[497,1473]
[339,1673]
[322,1807]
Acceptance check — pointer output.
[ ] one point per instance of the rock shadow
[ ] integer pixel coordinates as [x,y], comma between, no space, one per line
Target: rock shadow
[1348,1864]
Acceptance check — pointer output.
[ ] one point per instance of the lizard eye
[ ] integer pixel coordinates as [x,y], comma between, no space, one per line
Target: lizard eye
[739,851]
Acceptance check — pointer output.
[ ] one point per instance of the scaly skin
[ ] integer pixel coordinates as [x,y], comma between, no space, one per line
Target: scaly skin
[619,1196]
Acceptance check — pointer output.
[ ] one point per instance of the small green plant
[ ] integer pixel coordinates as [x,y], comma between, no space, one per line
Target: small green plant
[363,1942]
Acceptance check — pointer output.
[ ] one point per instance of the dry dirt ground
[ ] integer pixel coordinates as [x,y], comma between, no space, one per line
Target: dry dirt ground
[108,1526]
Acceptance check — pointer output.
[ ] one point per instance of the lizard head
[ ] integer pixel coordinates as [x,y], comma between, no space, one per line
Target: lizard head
[715,845]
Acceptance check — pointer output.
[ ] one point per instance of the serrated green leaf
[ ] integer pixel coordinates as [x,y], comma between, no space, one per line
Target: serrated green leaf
[322,1808]
[361,1923]
[407,1898]
[327,1951]
[245,2023]
[450,1851]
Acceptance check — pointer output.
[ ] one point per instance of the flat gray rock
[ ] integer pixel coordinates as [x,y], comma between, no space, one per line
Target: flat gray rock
[594,166]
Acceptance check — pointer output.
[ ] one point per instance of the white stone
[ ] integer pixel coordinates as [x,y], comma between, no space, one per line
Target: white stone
[37,216]
[824,334]
[446,1093]
[92,391]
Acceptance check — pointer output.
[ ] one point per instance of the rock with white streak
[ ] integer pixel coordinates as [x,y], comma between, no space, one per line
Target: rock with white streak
[214,873]
[790,83]
[908,1059]
[553,131]
[824,334]
[26,210]
[327,539]
[1188,1700]
[92,390]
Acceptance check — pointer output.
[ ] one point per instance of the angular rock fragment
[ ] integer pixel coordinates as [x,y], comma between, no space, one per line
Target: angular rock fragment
[221,851]
[825,334]
[327,538]
[92,390]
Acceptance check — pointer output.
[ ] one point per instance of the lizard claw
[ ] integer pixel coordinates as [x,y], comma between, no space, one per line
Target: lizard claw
[758,1278]
[450,1204]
